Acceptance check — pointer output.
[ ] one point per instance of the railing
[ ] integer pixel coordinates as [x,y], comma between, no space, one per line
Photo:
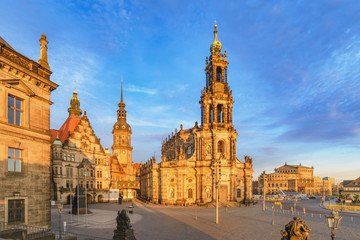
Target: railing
[29,232]
[343,207]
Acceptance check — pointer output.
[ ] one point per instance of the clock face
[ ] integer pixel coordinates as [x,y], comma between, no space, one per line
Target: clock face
[123,126]
[116,126]
[123,152]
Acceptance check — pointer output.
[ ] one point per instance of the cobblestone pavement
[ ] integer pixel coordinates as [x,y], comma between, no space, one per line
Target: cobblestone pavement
[170,222]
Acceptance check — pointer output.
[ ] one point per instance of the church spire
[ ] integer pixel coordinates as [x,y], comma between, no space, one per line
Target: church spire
[121,113]
[122,89]
[75,106]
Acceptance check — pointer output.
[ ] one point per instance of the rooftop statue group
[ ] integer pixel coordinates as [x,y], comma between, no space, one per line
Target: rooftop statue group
[296,230]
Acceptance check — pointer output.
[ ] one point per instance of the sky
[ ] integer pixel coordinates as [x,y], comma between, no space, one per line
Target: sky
[294,71]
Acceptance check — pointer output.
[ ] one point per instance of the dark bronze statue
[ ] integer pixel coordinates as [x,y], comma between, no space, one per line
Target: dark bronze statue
[123,229]
[296,230]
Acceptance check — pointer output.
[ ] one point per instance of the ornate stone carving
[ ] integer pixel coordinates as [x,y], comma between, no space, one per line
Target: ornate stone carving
[296,230]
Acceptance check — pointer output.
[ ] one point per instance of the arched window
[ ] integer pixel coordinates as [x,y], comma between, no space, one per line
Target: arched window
[189,150]
[220,113]
[218,74]
[221,147]
[211,119]
[238,193]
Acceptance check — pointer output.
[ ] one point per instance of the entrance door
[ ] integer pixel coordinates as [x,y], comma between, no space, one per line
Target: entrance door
[223,193]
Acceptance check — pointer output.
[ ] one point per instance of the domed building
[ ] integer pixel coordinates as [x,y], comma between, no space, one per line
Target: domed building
[198,161]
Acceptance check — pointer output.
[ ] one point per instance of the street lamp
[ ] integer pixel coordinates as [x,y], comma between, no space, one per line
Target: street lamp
[264,190]
[333,222]
[60,206]
[216,165]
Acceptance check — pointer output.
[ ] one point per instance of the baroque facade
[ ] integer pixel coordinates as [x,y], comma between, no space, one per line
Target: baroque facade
[294,178]
[78,158]
[193,159]
[25,89]
[124,173]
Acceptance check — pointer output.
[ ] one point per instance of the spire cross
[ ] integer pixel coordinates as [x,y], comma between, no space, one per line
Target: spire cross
[121,89]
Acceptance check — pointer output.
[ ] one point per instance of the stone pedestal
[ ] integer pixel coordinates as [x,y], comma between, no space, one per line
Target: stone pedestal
[79,202]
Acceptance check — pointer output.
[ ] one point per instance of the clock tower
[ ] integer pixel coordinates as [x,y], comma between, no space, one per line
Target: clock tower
[121,147]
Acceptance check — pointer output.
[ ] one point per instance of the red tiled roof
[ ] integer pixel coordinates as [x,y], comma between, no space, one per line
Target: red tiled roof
[66,129]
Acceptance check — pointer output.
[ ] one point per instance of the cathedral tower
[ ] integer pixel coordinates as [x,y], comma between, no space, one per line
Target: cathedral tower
[217,103]
[216,98]
[122,135]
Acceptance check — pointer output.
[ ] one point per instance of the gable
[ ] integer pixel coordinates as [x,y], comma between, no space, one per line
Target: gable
[18,85]
[83,136]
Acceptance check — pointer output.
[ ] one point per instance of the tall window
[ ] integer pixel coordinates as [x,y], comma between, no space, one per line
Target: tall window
[220,113]
[14,160]
[69,172]
[220,146]
[190,193]
[218,74]
[14,110]
[16,211]
[238,193]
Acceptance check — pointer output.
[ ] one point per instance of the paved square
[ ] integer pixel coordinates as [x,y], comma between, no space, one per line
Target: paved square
[169,222]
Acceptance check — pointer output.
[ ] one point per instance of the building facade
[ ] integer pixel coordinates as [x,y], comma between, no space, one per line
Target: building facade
[25,89]
[78,158]
[294,178]
[124,173]
[192,160]
[352,189]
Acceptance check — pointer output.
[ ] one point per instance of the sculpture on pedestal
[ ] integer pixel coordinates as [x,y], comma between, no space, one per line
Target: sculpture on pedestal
[123,229]
[296,230]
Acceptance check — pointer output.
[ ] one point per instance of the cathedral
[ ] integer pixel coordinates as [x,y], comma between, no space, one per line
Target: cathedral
[198,161]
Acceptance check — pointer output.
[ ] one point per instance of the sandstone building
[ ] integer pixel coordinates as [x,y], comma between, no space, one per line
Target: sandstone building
[353,188]
[77,157]
[191,157]
[294,178]
[76,152]
[25,89]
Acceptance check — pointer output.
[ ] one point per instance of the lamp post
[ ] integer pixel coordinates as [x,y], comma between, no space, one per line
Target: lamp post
[215,167]
[333,222]
[264,191]
[60,206]
[273,220]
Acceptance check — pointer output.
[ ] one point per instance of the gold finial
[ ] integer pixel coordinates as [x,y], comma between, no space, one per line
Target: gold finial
[216,45]
[75,106]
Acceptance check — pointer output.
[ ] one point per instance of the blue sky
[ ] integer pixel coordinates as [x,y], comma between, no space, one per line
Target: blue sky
[294,71]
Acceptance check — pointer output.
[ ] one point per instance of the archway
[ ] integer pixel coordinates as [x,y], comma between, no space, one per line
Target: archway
[100,198]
